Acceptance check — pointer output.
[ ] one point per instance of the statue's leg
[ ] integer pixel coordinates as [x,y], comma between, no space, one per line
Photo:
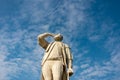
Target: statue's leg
[46,70]
[57,70]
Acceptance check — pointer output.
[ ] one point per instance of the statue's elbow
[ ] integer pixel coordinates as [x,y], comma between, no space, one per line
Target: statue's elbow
[39,37]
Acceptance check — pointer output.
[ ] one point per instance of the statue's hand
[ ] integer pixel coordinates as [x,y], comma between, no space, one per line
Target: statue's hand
[70,71]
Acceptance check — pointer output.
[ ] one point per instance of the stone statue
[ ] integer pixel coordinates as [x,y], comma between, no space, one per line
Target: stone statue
[57,60]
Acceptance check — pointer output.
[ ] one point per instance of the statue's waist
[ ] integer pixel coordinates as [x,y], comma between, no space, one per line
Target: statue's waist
[55,58]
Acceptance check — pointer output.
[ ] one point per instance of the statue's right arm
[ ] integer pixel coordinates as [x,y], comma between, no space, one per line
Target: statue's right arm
[41,40]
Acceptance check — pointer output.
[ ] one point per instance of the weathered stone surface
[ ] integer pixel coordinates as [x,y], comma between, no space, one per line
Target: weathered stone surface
[57,60]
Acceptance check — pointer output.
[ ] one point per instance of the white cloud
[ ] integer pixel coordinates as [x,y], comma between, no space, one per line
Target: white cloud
[7,68]
[94,37]
[94,71]
[35,14]
[84,65]
[10,67]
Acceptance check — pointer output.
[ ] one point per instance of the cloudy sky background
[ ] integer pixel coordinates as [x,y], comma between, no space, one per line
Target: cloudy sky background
[90,27]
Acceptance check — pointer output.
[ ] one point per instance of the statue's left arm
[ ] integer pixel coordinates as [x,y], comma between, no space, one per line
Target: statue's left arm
[69,60]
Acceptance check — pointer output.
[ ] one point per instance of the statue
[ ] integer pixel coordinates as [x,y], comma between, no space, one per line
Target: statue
[57,60]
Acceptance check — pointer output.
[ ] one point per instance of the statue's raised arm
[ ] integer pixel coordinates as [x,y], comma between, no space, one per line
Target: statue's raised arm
[41,39]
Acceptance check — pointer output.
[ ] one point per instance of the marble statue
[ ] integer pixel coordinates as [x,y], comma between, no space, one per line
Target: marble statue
[57,60]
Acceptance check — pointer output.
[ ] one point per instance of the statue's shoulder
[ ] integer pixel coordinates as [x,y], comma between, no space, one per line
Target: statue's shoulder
[66,45]
[51,43]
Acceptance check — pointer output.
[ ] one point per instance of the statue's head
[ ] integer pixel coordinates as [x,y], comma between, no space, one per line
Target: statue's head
[58,37]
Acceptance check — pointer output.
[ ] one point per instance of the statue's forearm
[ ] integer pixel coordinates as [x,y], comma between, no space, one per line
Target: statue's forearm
[69,57]
[70,63]
[44,35]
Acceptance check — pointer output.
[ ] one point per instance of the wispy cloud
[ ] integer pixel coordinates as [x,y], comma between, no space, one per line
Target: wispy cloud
[19,51]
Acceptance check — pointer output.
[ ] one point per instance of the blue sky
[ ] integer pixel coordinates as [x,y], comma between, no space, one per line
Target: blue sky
[90,27]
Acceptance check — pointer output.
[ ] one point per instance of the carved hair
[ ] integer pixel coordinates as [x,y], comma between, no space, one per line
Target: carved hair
[58,37]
